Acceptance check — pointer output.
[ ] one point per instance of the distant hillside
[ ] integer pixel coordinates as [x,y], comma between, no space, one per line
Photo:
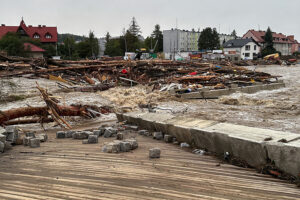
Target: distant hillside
[62,36]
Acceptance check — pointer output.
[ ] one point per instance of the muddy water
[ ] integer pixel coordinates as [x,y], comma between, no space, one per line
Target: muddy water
[277,109]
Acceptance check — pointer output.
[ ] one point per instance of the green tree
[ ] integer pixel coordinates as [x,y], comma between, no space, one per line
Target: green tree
[134,28]
[12,44]
[209,39]
[130,42]
[234,34]
[68,48]
[158,37]
[113,48]
[50,50]
[107,37]
[268,48]
[89,47]
[269,38]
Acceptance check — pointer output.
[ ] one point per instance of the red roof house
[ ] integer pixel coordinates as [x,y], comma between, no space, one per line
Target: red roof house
[34,51]
[295,45]
[281,42]
[33,48]
[44,33]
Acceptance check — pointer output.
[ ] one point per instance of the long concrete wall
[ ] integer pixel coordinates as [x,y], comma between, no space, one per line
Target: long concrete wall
[256,146]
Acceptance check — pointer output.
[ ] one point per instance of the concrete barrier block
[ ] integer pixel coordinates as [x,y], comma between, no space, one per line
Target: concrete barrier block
[285,156]
[34,142]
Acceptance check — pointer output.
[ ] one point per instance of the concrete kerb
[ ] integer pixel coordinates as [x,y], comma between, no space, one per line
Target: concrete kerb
[247,143]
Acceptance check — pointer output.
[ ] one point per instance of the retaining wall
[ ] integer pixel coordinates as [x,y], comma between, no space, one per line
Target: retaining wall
[256,146]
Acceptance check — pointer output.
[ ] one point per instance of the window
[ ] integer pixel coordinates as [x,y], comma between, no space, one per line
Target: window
[48,36]
[247,55]
[36,36]
[247,47]
[254,47]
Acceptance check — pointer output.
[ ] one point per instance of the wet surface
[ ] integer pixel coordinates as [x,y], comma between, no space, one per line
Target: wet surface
[68,169]
[278,109]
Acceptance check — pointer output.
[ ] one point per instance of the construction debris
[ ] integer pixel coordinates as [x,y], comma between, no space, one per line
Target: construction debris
[154,153]
[165,75]
[52,109]
[120,146]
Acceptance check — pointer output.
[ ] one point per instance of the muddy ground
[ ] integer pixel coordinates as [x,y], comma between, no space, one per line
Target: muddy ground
[277,109]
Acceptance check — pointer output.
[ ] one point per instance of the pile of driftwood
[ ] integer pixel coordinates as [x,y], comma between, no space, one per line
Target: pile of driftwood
[98,75]
[52,112]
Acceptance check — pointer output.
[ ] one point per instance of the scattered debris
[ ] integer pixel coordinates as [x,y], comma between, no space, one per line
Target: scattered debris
[199,151]
[34,143]
[154,153]
[168,138]
[158,135]
[120,146]
[93,139]
[184,145]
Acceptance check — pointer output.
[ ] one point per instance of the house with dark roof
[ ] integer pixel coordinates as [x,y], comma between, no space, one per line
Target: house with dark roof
[46,34]
[246,49]
[281,42]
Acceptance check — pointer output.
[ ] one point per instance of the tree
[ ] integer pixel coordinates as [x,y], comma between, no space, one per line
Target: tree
[134,28]
[269,38]
[68,49]
[12,44]
[155,38]
[113,48]
[130,41]
[209,39]
[107,37]
[268,49]
[158,37]
[89,47]
[234,34]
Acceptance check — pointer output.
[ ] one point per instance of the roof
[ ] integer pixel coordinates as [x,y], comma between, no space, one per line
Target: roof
[277,37]
[237,43]
[33,48]
[42,31]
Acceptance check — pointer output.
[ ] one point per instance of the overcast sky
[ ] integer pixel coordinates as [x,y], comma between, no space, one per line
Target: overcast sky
[80,16]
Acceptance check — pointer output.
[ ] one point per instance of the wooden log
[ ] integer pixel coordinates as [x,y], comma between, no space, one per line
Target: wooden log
[89,80]
[28,121]
[15,65]
[41,111]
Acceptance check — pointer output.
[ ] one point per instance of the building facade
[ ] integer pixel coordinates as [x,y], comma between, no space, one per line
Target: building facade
[176,40]
[45,34]
[246,49]
[282,43]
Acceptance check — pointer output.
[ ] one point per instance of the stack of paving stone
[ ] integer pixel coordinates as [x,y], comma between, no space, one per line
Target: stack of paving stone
[88,136]
[33,140]
[120,146]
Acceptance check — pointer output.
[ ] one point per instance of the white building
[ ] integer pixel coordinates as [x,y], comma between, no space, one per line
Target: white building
[176,40]
[246,49]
